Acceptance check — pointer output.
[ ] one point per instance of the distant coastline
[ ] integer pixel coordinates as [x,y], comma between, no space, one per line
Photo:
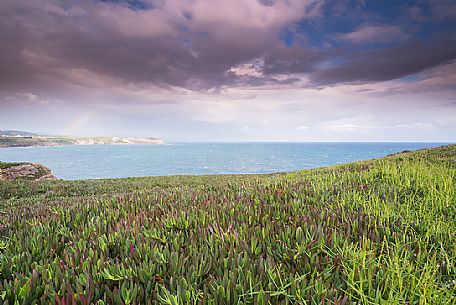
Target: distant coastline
[23,139]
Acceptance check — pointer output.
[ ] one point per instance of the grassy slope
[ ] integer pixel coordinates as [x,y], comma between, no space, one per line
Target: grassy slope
[372,232]
[34,141]
[4,165]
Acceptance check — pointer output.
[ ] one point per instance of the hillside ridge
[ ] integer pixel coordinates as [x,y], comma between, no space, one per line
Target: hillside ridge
[26,139]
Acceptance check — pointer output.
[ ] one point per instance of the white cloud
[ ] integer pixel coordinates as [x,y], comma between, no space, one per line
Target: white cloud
[370,127]
[253,68]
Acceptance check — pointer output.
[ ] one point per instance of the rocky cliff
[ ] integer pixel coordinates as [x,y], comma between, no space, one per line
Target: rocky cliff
[29,171]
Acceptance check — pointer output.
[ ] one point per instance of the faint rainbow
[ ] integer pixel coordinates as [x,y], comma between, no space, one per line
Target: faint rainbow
[77,122]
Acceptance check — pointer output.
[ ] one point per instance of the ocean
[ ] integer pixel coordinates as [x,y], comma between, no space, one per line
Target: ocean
[116,161]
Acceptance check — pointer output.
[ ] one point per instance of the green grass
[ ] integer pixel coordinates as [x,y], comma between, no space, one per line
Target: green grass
[34,141]
[372,232]
[5,165]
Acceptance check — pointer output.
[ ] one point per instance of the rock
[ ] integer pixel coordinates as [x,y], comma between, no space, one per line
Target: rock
[29,171]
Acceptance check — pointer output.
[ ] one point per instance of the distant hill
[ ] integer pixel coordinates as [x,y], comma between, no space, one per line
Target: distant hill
[13,138]
[16,133]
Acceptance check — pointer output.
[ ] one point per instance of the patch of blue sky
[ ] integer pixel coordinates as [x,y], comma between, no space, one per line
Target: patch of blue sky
[132,4]
[411,78]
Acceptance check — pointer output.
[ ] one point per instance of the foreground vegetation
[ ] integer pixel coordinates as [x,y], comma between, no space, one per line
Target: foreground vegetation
[372,232]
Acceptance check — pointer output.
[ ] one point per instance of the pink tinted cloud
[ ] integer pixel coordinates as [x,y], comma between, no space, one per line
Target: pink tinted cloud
[374,34]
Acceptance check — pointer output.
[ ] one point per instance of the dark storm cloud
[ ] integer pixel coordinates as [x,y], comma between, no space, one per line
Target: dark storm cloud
[40,43]
[387,64]
[60,48]
[443,9]
[293,60]
[129,42]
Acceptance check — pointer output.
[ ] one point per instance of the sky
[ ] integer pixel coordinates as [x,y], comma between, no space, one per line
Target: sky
[230,70]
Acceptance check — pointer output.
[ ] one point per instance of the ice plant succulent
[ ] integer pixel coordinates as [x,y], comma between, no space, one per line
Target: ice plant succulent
[372,232]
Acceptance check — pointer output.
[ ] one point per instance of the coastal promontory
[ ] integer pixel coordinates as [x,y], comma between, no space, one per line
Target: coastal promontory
[24,139]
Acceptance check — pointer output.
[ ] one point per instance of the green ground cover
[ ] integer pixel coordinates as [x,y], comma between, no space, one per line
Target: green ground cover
[373,232]
[5,165]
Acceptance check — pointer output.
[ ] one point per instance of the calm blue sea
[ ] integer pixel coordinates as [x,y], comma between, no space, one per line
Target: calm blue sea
[115,161]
